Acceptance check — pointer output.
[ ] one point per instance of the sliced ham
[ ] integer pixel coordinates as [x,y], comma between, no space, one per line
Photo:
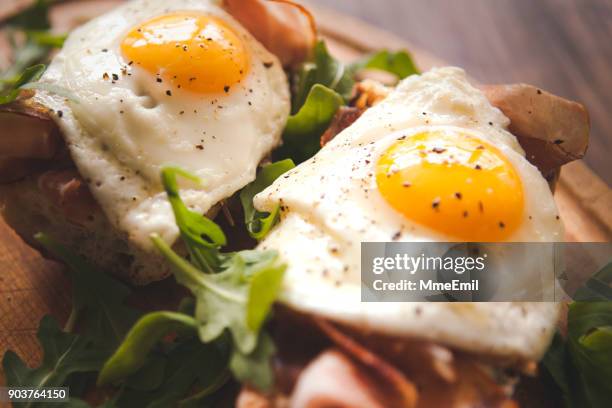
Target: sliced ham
[284,27]
[66,190]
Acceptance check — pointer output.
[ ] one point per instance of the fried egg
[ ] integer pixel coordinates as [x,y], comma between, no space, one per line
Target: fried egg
[433,162]
[155,83]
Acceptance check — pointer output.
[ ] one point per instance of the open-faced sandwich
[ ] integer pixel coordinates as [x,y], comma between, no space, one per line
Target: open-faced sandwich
[154,118]
[146,85]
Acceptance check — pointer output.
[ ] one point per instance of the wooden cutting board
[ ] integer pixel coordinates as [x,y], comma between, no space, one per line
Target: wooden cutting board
[31,286]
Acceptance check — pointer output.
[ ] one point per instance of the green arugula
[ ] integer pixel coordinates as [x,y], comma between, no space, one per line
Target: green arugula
[302,134]
[254,368]
[101,317]
[258,223]
[319,87]
[30,74]
[63,354]
[189,364]
[140,340]
[223,298]
[581,365]
[399,63]
[202,236]
[98,299]
[28,54]
[46,39]
[235,291]
[233,295]
[597,287]
[34,17]
[322,69]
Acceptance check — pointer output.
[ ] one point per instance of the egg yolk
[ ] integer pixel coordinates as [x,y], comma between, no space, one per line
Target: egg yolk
[191,51]
[454,184]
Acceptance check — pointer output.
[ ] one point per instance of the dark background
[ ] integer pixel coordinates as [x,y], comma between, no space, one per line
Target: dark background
[563,46]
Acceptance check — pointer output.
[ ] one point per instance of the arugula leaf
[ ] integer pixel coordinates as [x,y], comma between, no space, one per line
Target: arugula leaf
[140,340]
[322,69]
[38,42]
[189,364]
[255,368]
[30,74]
[557,363]
[399,63]
[202,236]
[236,295]
[46,39]
[24,56]
[98,299]
[222,298]
[582,365]
[34,17]
[590,347]
[302,134]
[597,287]
[63,354]
[258,223]
[29,53]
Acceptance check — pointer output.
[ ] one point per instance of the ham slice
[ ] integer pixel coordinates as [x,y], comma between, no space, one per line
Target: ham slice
[284,27]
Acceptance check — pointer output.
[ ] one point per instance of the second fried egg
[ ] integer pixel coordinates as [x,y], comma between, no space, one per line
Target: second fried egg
[433,162]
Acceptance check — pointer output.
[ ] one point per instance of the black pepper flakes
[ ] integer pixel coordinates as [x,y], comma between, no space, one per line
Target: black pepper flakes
[159,80]
[438,150]
[458,195]
[435,204]
[539,91]
[502,225]
[478,167]
[268,64]
[169,93]
[226,89]
[199,147]
[115,77]
[558,141]
[465,214]
[60,113]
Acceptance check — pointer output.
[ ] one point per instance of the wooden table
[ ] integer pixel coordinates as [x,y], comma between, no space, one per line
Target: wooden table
[560,45]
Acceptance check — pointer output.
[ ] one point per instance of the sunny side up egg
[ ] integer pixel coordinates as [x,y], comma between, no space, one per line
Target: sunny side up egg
[155,83]
[433,162]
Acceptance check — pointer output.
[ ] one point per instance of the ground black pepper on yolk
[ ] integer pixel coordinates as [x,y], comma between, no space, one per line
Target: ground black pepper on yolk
[453,183]
[190,51]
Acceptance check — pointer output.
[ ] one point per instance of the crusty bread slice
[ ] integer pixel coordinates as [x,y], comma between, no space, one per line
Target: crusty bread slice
[28,210]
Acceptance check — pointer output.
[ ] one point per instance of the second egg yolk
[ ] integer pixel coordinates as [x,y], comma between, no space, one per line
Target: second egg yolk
[453,183]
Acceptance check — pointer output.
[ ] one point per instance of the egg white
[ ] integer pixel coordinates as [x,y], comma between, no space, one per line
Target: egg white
[122,127]
[330,204]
